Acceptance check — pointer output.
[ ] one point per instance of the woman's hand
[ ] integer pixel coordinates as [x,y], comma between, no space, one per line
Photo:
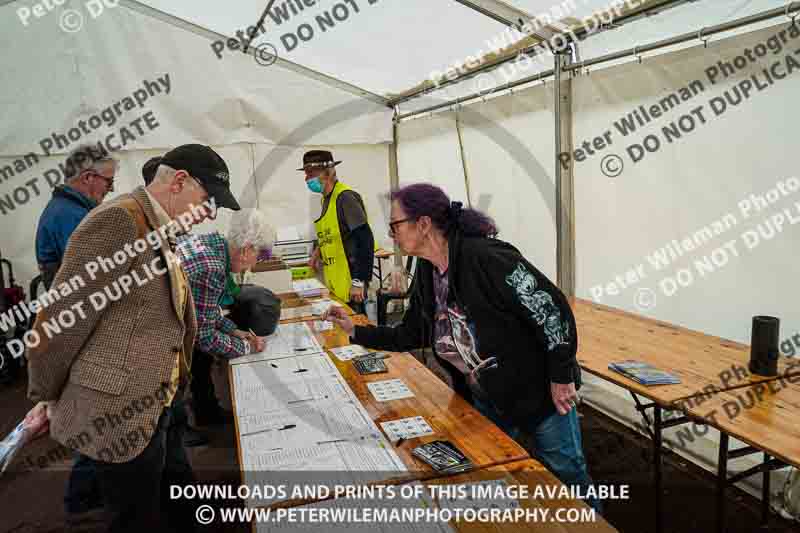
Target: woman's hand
[244,335]
[564,396]
[257,344]
[338,316]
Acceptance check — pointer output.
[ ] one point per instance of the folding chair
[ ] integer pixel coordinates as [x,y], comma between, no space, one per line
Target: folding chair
[386,296]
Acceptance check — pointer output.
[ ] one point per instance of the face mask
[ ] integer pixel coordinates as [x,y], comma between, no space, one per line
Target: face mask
[314,185]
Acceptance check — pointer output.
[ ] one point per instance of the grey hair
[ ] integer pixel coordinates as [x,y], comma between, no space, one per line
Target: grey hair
[85,157]
[164,174]
[250,227]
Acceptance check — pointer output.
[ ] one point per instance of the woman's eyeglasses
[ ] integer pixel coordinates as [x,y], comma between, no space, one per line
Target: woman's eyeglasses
[393,225]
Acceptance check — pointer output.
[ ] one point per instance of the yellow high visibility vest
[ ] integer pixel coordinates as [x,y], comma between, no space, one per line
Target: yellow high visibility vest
[331,247]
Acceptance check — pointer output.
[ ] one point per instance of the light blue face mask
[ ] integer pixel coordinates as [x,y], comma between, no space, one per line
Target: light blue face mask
[314,185]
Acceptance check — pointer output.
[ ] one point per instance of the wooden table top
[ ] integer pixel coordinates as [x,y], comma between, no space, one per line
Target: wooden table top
[764,415]
[607,335]
[532,474]
[449,415]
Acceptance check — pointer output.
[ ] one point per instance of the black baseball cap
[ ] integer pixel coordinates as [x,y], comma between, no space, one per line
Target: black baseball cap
[150,168]
[208,168]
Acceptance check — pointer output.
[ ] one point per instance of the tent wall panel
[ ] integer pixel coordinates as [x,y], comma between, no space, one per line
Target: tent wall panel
[284,197]
[428,151]
[687,185]
[509,145]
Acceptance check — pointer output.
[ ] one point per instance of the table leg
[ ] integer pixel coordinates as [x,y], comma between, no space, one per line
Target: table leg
[657,467]
[722,480]
[765,492]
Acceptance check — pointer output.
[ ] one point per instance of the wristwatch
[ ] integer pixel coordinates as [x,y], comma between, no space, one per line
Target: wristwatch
[357,283]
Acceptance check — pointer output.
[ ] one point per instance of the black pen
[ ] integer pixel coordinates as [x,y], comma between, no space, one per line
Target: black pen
[288,426]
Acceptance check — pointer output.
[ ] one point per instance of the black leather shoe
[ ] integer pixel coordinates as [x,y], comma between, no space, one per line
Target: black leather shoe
[192,437]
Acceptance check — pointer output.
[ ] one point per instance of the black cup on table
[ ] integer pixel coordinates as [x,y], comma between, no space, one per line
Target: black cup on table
[764,346]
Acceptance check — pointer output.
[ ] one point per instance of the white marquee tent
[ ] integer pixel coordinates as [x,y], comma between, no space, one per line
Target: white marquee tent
[675,127]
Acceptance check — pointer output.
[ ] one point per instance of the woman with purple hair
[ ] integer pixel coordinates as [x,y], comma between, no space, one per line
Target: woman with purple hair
[503,330]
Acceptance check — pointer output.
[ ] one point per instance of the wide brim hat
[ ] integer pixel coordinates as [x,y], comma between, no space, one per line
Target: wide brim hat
[318,159]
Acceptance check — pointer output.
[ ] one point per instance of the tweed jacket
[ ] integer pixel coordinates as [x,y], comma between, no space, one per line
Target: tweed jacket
[108,373]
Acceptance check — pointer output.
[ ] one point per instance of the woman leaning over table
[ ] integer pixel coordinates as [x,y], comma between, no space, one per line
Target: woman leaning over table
[503,330]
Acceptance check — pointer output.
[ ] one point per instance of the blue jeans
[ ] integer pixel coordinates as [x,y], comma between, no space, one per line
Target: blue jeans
[556,444]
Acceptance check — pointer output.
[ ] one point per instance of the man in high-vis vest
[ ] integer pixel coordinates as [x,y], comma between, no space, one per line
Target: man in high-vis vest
[345,248]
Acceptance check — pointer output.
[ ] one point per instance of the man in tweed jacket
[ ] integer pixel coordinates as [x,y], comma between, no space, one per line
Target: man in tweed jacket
[115,342]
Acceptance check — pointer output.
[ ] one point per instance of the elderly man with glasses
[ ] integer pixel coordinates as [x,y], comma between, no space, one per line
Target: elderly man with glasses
[89,177]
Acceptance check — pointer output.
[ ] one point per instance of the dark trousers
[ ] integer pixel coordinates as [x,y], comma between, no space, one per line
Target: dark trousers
[204,399]
[136,494]
[358,308]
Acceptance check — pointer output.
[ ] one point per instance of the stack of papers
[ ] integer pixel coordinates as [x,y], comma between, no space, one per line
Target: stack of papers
[644,373]
[309,288]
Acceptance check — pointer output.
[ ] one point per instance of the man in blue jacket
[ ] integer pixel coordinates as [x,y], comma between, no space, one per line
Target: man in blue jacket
[88,178]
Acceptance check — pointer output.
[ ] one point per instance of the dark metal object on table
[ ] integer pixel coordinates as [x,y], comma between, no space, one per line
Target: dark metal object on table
[764,346]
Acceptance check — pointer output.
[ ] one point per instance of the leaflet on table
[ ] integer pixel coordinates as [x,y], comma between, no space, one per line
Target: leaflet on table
[389,389]
[361,460]
[315,308]
[358,506]
[267,386]
[346,353]
[284,369]
[288,313]
[406,428]
[310,422]
[288,340]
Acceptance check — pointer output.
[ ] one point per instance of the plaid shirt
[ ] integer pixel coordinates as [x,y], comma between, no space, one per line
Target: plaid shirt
[205,260]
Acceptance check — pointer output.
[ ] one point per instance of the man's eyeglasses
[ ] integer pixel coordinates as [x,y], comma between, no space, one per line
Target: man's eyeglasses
[393,225]
[109,181]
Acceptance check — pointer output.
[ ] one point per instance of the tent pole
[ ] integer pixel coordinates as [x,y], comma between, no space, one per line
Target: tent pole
[565,183]
[686,37]
[504,14]
[394,175]
[653,6]
[693,35]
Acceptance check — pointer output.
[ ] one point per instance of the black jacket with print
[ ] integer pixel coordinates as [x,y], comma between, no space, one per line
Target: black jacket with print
[520,317]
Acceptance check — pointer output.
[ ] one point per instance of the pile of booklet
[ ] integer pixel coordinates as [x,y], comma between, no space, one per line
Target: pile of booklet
[310,288]
[644,373]
[443,456]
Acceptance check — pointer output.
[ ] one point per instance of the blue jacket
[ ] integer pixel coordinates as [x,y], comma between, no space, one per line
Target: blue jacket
[60,217]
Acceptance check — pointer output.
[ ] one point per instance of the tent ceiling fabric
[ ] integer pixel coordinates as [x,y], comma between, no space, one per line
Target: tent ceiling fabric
[670,21]
[378,45]
[215,101]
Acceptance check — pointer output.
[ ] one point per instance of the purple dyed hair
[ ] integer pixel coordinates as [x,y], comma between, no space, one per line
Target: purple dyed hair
[425,199]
